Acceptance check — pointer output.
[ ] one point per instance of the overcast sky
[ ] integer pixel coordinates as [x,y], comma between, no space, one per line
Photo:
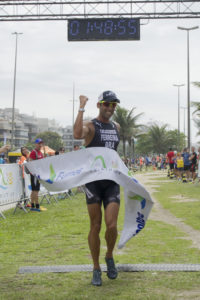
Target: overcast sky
[141,73]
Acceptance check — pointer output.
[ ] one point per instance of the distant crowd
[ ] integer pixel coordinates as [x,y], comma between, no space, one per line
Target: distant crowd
[184,165]
[181,165]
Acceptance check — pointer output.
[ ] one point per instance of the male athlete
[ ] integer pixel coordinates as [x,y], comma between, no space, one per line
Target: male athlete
[101,132]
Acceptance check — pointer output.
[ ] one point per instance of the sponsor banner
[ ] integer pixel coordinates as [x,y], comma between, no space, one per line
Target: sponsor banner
[28,189]
[27,185]
[62,172]
[11,189]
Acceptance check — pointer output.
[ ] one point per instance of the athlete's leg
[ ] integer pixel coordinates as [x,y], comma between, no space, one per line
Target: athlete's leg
[34,197]
[111,216]
[95,215]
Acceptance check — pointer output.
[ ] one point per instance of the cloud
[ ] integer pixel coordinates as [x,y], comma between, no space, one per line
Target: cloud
[142,73]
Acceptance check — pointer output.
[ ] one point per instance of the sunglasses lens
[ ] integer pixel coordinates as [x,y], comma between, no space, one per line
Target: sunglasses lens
[109,104]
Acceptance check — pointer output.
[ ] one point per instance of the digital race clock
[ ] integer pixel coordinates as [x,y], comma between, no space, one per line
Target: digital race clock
[107,29]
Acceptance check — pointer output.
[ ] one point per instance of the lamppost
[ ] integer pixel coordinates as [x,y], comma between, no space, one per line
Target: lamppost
[14,87]
[178,86]
[73,100]
[188,76]
[184,118]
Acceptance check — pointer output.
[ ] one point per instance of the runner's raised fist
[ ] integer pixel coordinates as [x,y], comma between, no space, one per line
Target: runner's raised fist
[83,101]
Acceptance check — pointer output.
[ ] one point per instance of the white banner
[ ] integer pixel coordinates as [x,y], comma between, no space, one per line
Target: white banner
[10,183]
[61,172]
[27,185]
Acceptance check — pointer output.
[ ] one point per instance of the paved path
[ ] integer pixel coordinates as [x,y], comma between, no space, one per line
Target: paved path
[161,214]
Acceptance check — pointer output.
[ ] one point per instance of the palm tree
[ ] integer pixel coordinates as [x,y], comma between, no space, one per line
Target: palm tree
[128,123]
[195,103]
[155,140]
[158,138]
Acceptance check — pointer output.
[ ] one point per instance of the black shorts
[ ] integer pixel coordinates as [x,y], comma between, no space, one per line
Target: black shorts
[171,166]
[187,168]
[105,191]
[35,184]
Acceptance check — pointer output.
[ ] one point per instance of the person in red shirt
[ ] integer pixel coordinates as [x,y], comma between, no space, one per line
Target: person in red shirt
[170,156]
[35,184]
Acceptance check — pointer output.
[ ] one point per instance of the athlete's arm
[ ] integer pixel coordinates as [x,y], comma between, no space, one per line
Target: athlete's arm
[81,130]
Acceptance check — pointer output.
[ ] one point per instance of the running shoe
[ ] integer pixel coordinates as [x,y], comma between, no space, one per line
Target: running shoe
[35,209]
[96,279]
[111,269]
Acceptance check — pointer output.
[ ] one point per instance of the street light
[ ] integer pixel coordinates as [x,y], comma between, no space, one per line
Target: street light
[188,76]
[178,86]
[184,118]
[73,100]
[14,87]
[73,117]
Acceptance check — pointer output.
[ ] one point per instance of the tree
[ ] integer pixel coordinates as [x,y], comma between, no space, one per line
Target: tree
[51,139]
[30,146]
[176,141]
[196,113]
[158,139]
[128,125]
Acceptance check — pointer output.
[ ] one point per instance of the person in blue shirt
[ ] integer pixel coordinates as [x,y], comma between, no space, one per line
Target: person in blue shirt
[187,162]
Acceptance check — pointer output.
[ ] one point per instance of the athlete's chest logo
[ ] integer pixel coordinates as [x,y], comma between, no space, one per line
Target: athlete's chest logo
[109,137]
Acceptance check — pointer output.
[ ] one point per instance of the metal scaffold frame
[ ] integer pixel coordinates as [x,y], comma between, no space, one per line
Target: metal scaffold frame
[37,10]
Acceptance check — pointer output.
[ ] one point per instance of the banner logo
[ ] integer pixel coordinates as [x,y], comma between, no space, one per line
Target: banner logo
[3,182]
[139,198]
[101,159]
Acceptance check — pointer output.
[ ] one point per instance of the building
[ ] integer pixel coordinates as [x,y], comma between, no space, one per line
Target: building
[26,127]
[69,141]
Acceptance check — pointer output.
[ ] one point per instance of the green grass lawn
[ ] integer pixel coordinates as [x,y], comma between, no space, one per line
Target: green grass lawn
[58,236]
[188,211]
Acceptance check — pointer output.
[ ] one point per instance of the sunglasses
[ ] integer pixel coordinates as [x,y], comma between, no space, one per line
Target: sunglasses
[108,104]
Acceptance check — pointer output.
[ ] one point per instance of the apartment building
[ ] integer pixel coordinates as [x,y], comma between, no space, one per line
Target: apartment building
[26,127]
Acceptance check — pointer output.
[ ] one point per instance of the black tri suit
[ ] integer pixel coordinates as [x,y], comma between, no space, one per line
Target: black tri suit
[106,191]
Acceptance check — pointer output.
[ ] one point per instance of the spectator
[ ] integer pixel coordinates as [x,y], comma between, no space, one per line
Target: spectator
[141,163]
[193,159]
[175,164]
[180,165]
[25,155]
[76,147]
[146,162]
[199,164]
[170,156]
[187,163]
[35,184]
[23,159]
[61,150]
[5,148]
